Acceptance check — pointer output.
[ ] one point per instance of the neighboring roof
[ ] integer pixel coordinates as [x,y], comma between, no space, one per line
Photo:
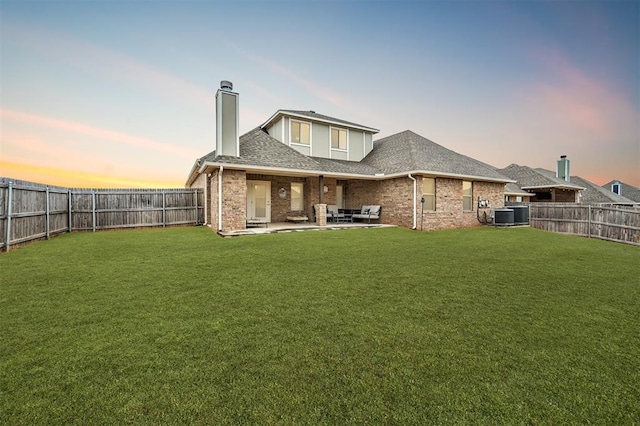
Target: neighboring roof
[514,189]
[628,191]
[595,194]
[528,178]
[312,115]
[410,152]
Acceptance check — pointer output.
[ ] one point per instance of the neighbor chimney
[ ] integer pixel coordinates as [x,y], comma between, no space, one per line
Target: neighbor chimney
[562,168]
[227,139]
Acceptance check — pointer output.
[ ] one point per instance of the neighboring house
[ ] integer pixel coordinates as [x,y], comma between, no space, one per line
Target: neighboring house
[545,187]
[595,194]
[513,194]
[620,188]
[297,160]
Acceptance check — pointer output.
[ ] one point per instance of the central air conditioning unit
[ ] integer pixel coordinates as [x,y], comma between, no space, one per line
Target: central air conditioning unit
[503,217]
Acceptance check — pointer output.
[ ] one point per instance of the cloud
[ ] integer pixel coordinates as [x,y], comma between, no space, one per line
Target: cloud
[340,101]
[97,133]
[575,101]
[102,61]
[318,91]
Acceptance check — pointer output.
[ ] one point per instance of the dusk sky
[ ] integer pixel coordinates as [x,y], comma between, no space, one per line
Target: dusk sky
[122,94]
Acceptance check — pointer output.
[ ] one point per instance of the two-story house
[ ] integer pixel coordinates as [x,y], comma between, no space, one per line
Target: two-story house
[297,160]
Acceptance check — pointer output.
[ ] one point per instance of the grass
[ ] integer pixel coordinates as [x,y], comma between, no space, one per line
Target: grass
[171,326]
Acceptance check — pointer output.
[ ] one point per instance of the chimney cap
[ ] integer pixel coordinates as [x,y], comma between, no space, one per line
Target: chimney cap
[226,85]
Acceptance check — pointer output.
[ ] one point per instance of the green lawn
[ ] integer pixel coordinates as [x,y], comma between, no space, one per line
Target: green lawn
[171,326]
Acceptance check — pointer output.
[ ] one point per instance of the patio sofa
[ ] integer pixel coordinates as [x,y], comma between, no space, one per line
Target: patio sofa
[368,213]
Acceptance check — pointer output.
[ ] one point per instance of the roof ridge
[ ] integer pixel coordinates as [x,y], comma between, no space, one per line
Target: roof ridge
[311,114]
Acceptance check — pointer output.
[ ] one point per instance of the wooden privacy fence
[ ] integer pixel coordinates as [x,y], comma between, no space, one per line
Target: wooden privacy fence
[30,211]
[606,223]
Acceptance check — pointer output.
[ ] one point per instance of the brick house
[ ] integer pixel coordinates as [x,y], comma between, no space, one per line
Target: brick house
[544,185]
[297,161]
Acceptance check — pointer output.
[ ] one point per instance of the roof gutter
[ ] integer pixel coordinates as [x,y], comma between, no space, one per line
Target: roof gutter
[415,201]
[192,173]
[341,175]
[577,188]
[220,198]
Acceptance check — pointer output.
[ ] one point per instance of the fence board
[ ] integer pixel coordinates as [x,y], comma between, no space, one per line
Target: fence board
[31,211]
[604,222]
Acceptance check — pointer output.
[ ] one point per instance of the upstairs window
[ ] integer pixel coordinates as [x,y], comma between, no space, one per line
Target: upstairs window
[615,188]
[338,139]
[467,195]
[300,132]
[429,194]
[297,198]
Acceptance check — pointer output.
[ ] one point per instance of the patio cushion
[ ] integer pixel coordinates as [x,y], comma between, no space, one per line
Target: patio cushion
[368,212]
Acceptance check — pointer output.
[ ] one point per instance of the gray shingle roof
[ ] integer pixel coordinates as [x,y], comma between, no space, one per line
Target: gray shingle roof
[628,191]
[527,177]
[344,166]
[402,153]
[258,148]
[514,189]
[595,194]
[312,115]
[408,151]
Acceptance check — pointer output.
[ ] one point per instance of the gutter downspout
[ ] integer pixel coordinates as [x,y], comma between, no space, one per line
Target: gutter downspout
[415,200]
[220,198]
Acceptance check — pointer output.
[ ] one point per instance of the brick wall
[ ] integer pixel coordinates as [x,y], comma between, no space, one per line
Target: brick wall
[395,196]
[281,207]
[330,195]
[312,196]
[234,199]
[448,212]
[514,199]
[213,200]
[396,200]
[565,196]
[361,192]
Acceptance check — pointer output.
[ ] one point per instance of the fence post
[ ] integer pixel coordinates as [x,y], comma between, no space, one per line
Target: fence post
[164,209]
[69,203]
[9,201]
[93,210]
[47,210]
[195,196]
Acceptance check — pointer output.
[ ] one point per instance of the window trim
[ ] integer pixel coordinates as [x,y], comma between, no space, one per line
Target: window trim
[301,184]
[470,197]
[291,142]
[615,186]
[346,132]
[425,194]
